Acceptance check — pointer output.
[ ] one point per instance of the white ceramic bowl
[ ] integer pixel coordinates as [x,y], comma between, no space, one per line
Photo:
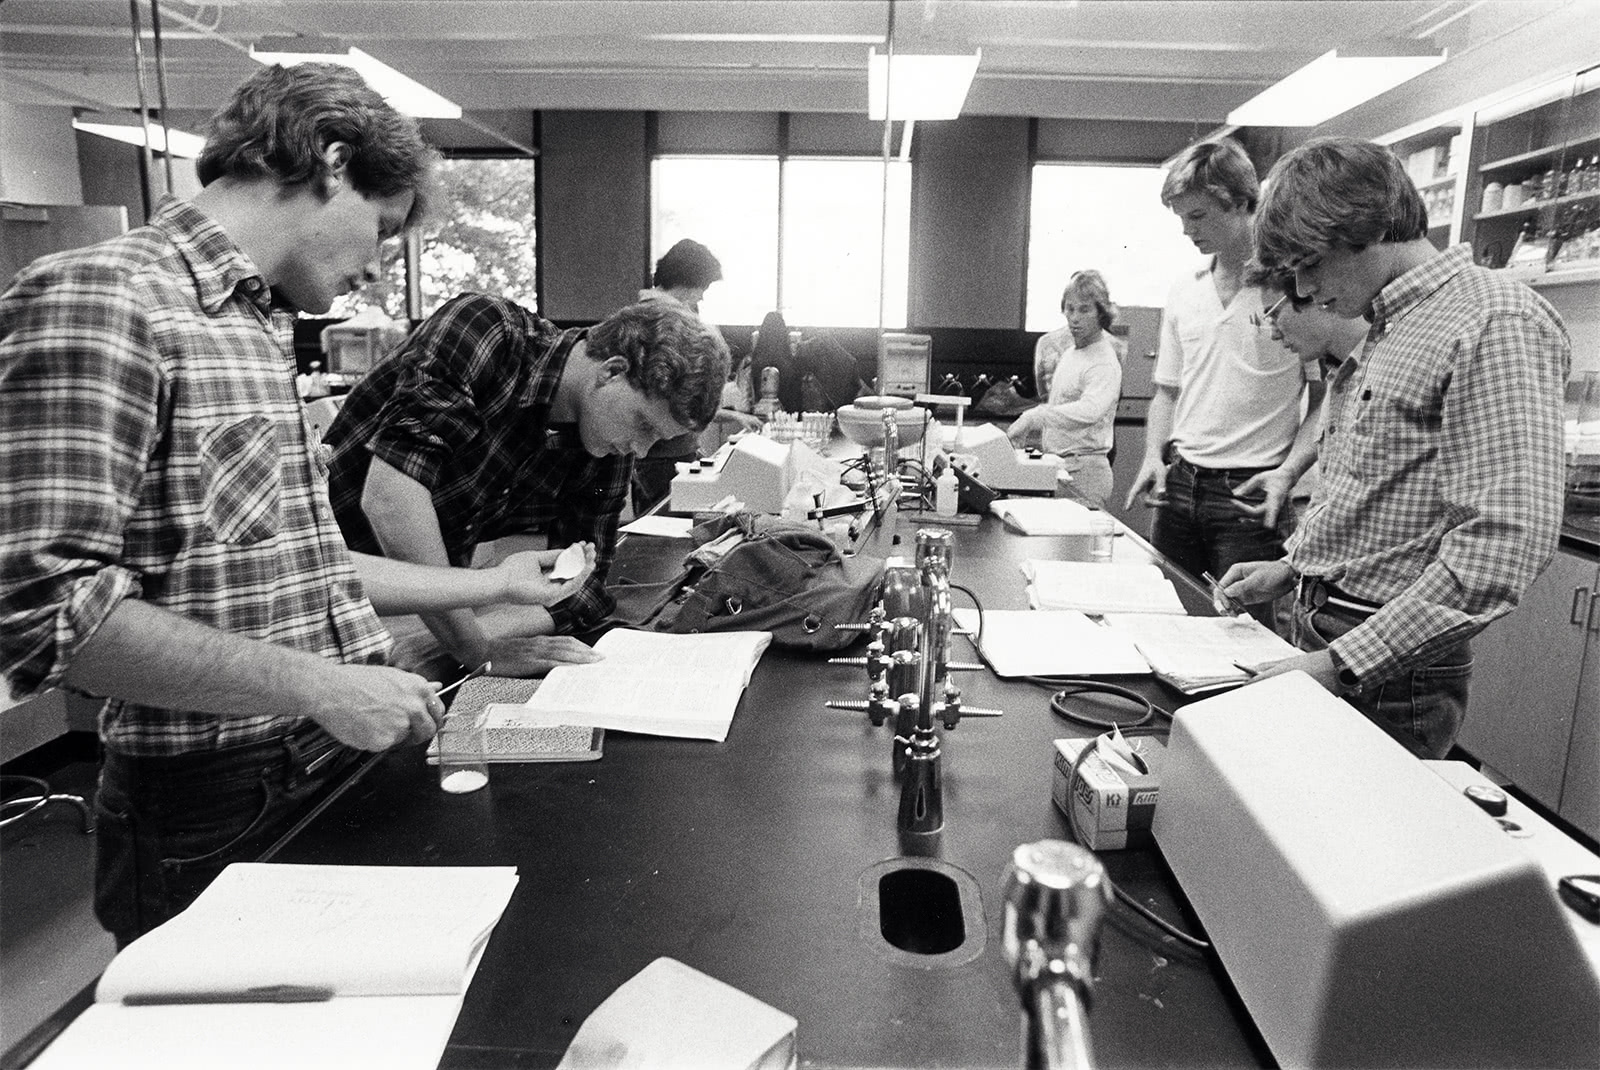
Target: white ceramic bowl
[862,421]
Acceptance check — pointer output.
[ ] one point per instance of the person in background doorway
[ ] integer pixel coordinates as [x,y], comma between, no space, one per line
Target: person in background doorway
[682,276]
[491,422]
[1441,455]
[165,539]
[1076,418]
[1229,429]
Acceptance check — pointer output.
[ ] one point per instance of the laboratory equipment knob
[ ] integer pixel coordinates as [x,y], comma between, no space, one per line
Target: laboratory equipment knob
[1056,894]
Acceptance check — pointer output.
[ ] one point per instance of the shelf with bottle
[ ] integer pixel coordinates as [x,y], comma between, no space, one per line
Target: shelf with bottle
[1528,208]
[1556,249]
[1583,146]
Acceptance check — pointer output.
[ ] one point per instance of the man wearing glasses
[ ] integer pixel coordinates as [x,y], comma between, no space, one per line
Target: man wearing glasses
[1441,451]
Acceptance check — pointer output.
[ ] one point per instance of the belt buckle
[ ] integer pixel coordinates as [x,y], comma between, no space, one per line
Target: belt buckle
[1313,592]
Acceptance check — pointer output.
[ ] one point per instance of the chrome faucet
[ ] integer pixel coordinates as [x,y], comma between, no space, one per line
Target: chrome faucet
[1056,894]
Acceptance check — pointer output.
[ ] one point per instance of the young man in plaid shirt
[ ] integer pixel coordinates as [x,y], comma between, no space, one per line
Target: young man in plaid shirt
[166,539]
[1441,451]
[492,422]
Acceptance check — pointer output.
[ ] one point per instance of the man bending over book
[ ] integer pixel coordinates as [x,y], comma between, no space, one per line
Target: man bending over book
[492,422]
[1441,447]
[166,539]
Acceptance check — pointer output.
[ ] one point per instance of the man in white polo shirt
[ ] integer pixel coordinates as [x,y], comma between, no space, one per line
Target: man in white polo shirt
[1228,433]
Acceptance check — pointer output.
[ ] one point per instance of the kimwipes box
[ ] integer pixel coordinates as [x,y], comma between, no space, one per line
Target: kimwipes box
[1111,806]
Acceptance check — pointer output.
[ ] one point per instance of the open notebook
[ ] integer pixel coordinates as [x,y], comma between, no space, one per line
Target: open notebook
[1196,654]
[381,957]
[1031,642]
[655,683]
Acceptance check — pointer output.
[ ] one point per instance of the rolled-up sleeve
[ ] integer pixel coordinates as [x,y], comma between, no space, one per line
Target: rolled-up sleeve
[80,391]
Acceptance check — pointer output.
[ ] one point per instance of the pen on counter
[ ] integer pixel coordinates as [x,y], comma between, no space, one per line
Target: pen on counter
[259,994]
[481,670]
[1247,670]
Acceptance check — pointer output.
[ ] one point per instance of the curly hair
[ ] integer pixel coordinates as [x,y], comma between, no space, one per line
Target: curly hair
[687,263]
[671,354]
[1219,168]
[1090,285]
[1335,191]
[281,120]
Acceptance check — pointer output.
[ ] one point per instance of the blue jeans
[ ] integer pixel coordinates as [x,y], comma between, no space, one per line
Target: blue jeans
[1421,709]
[167,826]
[1201,528]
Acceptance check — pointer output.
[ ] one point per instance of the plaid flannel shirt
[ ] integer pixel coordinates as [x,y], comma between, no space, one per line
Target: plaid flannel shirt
[152,446]
[463,408]
[1441,463]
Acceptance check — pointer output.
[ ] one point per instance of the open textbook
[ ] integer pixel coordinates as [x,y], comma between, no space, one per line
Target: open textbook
[274,963]
[656,683]
[1197,654]
[1093,587]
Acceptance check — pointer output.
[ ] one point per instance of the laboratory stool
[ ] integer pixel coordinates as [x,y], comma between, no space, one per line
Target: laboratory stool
[24,795]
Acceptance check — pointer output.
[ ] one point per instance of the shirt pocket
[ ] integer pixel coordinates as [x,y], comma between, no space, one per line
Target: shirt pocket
[1385,440]
[239,467]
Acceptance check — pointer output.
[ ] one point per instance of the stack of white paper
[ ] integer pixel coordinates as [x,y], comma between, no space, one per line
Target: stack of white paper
[1027,642]
[1099,588]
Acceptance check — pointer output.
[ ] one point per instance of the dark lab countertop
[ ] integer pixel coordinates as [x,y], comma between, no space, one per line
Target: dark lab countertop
[752,860]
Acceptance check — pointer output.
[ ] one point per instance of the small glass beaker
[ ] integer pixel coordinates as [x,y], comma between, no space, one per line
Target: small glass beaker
[1102,531]
[462,764]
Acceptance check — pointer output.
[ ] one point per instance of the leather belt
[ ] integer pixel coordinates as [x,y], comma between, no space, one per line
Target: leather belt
[1196,470]
[1314,592]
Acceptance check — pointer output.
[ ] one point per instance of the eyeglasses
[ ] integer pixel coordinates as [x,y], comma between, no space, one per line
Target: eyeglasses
[1270,316]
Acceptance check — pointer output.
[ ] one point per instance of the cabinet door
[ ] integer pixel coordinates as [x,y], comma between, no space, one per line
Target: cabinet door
[1580,793]
[1525,676]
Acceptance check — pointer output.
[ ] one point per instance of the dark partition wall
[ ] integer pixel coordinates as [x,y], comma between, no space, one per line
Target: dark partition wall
[969,236]
[594,211]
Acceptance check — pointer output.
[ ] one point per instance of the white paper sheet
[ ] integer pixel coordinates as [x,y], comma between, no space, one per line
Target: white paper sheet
[1100,588]
[655,683]
[1026,642]
[671,527]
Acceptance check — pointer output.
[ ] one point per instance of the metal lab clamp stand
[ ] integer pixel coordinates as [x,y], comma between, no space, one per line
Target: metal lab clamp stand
[908,675]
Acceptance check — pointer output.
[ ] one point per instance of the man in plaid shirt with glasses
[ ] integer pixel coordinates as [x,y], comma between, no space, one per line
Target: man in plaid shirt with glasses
[166,539]
[1441,450]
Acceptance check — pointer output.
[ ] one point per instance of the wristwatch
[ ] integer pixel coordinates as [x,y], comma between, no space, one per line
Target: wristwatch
[1349,684]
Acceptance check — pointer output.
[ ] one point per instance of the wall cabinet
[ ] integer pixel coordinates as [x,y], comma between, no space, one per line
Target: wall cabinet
[1532,196]
[1534,711]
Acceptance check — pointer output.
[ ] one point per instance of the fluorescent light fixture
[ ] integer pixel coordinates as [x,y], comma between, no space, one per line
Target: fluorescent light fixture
[185,145]
[406,95]
[919,86]
[1334,83]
